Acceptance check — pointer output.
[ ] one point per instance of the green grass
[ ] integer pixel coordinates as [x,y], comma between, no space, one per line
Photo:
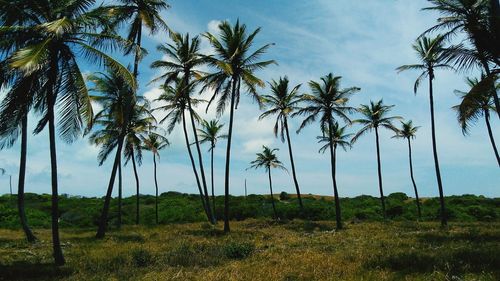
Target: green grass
[262,250]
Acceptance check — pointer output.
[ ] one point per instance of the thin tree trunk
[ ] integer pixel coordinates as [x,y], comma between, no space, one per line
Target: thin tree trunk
[228,160]
[379,169]
[193,164]
[10,185]
[490,133]
[120,190]
[272,196]
[444,221]
[136,188]
[103,221]
[294,175]
[22,175]
[137,52]
[333,160]
[413,180]
[212,177]
[156,186]
[494,92]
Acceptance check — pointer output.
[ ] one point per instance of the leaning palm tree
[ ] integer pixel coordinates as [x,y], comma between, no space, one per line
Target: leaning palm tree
[431,53]
[475,104]
[155,142]
[267,159]
[408,132]
[210,133]
[283,102]
[235,66]
[183,60]
[59,31]
[326,102]
[174,104]
[375,116]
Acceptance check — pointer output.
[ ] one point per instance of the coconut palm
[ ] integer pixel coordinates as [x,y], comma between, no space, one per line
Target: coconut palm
[431,53]
[408,132]
[210,132]
[267,159]
[60,30]
[235,65]
[174,104]
[283,102]
[375,116]
[327,102]
[155,142]
[475,104]
[183,60]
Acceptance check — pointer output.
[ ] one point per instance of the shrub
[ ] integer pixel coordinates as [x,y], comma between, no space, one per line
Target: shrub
[238,250]
[141,257]
[284,196]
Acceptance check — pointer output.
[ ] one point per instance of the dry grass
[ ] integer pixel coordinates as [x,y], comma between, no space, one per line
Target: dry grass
[262,250]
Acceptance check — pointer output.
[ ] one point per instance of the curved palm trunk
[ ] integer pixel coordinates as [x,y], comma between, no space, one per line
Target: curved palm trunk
[272,196]
[490,133]
[333,158]
[103,221]
[136,59]
[156,186]
[294,175]
[444,221]
[228,160]
[495,96]
[193,165]
[379,169]
[22,175]
[413,180]
[212,178]
[136,188]
[120,190]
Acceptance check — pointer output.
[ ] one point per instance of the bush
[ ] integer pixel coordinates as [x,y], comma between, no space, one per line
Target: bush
[284,196]
[141,257]
[238,250]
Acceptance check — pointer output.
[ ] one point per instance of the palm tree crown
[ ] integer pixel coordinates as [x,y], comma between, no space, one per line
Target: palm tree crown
[210,132]
[267,159]
[375,116]
[338,137]
[407,131]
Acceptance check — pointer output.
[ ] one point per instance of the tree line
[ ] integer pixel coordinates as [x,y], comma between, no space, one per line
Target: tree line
[42,44]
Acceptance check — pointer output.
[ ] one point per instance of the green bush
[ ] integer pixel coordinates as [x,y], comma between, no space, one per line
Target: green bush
[238,250]
[141,257]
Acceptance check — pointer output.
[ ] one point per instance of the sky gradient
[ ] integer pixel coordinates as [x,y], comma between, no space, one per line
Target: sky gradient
[362,41]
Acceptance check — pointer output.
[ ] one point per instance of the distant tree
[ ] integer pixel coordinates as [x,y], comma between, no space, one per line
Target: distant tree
[375,116]
[408,132]
[283,102]
[267,159]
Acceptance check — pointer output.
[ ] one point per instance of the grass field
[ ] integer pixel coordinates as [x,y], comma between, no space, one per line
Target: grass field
[262,250]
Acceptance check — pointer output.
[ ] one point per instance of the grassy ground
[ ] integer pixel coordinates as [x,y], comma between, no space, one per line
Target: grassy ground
[262,250]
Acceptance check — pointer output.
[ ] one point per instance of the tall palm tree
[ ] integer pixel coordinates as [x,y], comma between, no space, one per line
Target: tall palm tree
[183,60]
[432,57]
[283,102]
[235,66]
[155,142]
[174,103]
[475,104]
[58,32]
[408,132]
[210,132]
[375,116]
[267,159]
[326,102]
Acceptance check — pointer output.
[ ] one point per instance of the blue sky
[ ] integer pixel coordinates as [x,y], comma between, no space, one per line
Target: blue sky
[362,41]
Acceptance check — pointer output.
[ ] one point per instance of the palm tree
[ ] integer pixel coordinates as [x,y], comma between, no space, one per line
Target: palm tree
[58,32]
[155,142]
[183,59]
[175,106]
[475,104]
[210,132]
[283,103]
[375,116]
[327,101]
[408,132]
[235,65]
[268,159]
[431,55]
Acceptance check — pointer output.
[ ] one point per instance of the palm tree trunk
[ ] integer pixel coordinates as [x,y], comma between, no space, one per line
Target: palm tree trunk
[494,92]
[103,221]
[379,169]
[20,185]
[120,190]
[272,196]
[333,160]
[137,52]
[413,180]
[490,133]
[212,177]
[136,188]
[444,221]
[200,160]
[156,186]
[228,160]
[10,185]
[193,165]
[294,175]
